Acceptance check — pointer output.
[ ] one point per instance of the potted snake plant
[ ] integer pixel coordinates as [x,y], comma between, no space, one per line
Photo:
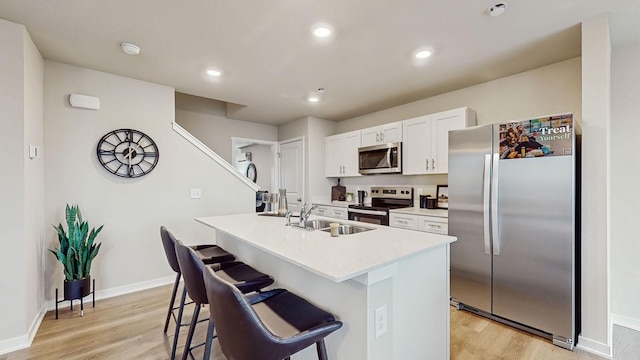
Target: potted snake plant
[76,251]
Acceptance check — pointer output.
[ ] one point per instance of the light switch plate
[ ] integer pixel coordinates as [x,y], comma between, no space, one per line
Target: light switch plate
[34,152]
[196,193]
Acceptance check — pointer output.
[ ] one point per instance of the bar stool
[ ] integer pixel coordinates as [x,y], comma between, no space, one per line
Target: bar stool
[209,254]
[278,326]
[245,279]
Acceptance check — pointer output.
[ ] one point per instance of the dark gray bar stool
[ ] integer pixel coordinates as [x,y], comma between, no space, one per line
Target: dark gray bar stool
[272,326]
[245,279]
[209,254]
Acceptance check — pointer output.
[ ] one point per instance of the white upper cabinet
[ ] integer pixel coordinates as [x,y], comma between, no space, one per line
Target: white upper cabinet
[387,133]
[341,154]
[426,140]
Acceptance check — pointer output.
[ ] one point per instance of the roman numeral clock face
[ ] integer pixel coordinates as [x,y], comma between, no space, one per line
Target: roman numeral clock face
[127,153]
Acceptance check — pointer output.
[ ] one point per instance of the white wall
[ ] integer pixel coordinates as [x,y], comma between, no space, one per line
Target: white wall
[12,248]
[206,119]
[625,190]
[21,184]
[318,184]
[596,93]
[34,228]
[132,210]
[546,90]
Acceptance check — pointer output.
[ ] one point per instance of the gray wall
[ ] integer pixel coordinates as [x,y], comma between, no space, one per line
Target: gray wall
[21,186]
[132,210]
[625,189]
[207,120]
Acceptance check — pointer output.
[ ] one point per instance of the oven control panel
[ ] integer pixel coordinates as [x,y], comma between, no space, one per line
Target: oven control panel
[392,192]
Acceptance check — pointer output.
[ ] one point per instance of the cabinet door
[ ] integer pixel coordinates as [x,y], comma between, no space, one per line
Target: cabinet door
[441,124]
[390,133]
[348,154]
[416,145]
[370,136]
[332,159]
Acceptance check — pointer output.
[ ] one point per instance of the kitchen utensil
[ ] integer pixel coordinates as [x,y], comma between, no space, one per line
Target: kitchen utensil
[428,202]
[361,196]
[337,190]
[282,205]
[274,201]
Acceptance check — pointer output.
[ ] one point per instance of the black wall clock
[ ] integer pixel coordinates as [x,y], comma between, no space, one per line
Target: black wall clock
[128,153]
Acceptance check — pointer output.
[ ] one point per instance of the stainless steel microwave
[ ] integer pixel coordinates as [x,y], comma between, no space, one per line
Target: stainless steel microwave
[380,159]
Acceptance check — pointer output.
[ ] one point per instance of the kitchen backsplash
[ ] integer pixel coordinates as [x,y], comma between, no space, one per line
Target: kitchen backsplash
[421,184]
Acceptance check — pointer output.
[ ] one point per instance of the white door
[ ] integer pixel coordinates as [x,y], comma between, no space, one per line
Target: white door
[292,171]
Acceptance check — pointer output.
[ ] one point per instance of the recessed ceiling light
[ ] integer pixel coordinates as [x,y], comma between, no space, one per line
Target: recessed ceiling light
[214,72]
[313,98]
[422,54]
[497,9]
[322,30]
[129,48]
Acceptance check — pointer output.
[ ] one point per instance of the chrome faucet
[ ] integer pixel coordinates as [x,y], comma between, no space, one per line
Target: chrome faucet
[304,213]
[288,216]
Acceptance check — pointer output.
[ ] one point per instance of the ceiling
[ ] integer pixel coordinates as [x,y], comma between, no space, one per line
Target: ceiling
[271,62]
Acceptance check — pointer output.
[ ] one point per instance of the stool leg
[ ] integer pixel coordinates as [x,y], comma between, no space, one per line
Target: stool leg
[178,322]
[56,303]
[192,329]
[209,341]
[322,350]
[173,300]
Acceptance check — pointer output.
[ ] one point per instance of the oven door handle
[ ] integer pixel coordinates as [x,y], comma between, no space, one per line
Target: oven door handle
[368,212]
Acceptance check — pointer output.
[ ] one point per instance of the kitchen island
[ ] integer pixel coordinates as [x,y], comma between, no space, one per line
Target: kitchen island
[399,276]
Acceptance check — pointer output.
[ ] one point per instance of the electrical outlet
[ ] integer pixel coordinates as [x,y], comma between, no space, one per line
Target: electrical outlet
[380,320]
[196,193]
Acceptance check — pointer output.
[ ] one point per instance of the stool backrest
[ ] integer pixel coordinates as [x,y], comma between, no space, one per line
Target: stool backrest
[241,333]
[169,243]
[192,268]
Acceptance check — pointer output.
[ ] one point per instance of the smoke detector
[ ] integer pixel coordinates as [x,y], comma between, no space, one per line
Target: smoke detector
[130,49]
[497,9]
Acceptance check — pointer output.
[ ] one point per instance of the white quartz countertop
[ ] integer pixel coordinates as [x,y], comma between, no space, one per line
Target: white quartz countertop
[335,258]
[420,211]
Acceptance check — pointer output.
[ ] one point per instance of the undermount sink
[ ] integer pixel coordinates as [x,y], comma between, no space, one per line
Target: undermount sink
[344,229]
[324,225]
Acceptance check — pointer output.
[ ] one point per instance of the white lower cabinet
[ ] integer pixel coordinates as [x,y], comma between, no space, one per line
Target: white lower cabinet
[432,224]
[338,212]
[403,221]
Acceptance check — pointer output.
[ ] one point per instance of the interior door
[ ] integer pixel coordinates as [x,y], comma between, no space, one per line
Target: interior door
[292,171]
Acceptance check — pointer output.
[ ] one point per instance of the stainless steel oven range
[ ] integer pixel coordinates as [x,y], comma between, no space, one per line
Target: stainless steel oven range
[382,199]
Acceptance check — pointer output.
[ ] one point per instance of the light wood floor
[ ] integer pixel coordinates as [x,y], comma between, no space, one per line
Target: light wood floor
[130,327]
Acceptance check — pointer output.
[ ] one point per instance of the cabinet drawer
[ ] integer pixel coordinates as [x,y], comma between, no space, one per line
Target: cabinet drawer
[331,211]
[433,225]
[403,221]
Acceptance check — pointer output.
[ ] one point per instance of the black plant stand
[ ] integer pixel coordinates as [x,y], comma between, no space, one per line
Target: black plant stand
[80,297]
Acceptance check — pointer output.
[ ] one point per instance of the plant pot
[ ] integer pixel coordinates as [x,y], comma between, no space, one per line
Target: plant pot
[76,289]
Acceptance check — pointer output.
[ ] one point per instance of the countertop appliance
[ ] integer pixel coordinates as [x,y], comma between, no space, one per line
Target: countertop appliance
[514,205]
[380,159]
[382,199]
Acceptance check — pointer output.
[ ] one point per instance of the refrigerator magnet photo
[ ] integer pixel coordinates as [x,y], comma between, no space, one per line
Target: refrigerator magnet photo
[545,136]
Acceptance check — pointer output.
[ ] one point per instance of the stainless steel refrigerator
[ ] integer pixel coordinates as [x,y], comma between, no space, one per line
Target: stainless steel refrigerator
[514,207]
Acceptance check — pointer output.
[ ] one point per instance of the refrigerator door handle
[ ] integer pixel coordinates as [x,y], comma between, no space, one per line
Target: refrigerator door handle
[494,206]
[486,192]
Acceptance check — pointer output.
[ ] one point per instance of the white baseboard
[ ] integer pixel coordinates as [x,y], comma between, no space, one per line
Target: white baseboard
[121,290]
[595,347]
[626,321]
[24,341]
